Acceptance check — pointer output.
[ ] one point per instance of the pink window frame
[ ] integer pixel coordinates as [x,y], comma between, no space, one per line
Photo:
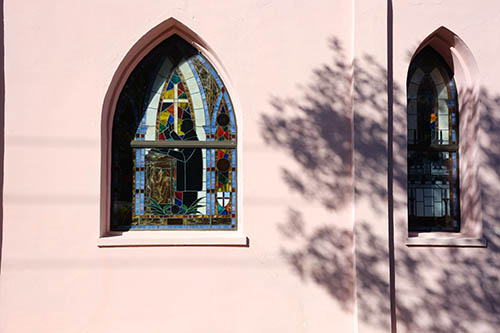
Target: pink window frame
[458,56]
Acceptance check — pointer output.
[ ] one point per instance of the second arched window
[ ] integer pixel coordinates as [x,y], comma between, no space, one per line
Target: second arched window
[432,118]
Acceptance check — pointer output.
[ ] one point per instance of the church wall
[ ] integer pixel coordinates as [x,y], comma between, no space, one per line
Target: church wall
[433,288]
[284,59]
[451,289]
[321,254]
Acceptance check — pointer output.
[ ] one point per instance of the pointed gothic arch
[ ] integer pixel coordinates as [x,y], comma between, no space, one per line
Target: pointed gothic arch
[169,138]
[433,141]
[459,69]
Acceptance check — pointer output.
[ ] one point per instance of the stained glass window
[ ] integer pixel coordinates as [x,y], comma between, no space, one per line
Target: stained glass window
[174,145]
[432,118]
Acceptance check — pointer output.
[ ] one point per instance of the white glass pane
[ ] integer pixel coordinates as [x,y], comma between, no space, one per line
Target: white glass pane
[412,90]
[428,211]
[443,122]
[420,196]
[443,106]
[420,209]
[436,76]
[412,134]
[445,136]
[412,106]
[412,121]
[417,76]
[438,211]
[442,91]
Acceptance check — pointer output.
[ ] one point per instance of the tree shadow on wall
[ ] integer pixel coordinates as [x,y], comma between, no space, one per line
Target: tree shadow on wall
[461,294]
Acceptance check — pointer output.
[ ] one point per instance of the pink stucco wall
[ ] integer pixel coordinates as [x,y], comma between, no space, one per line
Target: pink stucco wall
[447,289]
[60,58]
[434,288]
[327,251]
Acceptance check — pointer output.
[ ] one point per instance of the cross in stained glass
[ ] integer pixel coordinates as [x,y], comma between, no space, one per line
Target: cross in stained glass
[175,100]
[223,198]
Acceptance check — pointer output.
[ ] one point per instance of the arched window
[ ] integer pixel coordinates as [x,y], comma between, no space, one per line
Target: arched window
[433,140]
[173,145]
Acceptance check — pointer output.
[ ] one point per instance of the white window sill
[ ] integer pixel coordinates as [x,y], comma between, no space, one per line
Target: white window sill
[446,241]
[174,238]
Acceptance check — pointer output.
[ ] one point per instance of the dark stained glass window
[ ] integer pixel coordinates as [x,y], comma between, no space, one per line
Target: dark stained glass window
[432,118]
[174,145]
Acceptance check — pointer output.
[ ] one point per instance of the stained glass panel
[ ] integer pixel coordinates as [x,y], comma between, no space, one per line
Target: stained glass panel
[174,162]
[432,123]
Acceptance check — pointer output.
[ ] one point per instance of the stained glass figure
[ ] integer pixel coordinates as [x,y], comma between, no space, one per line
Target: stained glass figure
[432,122]
[174,145]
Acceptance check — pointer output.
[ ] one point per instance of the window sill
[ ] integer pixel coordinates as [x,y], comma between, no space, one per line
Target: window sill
[446,241]
[174,238]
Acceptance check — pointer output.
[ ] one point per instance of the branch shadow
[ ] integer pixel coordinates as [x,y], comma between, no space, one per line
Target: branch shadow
[438,289]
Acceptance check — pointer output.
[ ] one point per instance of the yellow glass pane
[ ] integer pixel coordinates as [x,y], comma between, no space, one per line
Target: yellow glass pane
[164,117]
[169,94]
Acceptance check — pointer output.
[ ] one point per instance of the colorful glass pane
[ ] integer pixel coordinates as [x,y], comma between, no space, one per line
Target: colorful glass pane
[432,122]
[174,95]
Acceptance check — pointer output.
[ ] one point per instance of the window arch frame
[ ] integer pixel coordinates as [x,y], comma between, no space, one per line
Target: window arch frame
[439,145]
[107,237]
[460,60]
